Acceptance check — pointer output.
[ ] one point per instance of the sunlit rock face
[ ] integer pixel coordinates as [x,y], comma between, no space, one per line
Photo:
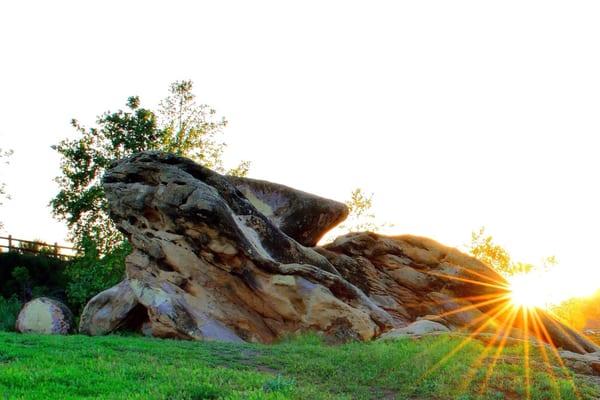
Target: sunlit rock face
[225,258]
[45,315]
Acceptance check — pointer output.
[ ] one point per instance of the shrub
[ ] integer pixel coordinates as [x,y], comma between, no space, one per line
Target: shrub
[90,274]
[9,309]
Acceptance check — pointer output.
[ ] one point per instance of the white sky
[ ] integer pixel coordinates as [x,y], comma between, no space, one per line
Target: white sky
[455,114]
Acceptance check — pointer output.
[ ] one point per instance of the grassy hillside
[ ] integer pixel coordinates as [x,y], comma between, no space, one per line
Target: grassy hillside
[115,367]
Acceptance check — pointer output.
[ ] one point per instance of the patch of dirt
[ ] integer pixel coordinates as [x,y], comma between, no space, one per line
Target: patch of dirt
[248,358]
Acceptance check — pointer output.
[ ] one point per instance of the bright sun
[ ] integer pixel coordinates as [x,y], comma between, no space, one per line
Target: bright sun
[546,288]
[527,291]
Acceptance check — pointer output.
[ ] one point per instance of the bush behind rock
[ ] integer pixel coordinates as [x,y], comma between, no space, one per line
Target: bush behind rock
[9,309]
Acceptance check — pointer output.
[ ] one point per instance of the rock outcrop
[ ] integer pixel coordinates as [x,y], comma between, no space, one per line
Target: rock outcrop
[587,364]
[208,265]
[45,315]
[226,258]
[413,277]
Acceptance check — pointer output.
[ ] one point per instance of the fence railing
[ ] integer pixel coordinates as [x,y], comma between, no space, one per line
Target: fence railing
[36,247]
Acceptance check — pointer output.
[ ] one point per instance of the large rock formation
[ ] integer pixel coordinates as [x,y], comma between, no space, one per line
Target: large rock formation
[227,258]
[208,265]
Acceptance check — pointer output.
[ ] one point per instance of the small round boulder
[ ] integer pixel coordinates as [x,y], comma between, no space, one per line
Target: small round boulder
[44,315]
[417,328]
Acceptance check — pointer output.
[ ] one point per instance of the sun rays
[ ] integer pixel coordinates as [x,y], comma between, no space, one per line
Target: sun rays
[514,314]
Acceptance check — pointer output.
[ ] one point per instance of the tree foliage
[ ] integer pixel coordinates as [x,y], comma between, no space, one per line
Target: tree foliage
[361,217]
[180,126]
[484,248]
[80,201]
[191,129]
[576,311]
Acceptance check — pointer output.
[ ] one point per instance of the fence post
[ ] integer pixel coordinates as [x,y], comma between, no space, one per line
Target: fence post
[9,243]
[55,249]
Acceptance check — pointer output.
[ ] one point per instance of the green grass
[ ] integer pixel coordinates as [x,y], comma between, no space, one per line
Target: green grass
[117,367]
[9,309]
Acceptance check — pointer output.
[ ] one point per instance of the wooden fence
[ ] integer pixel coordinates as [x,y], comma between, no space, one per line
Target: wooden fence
[36,247]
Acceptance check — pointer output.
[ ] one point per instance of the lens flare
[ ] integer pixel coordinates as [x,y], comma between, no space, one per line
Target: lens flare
[516,308]
[546,288]
[526,291]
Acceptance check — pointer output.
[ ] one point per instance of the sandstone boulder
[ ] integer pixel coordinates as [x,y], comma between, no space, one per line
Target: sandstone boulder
[417,328]
[45,315]
[111,310]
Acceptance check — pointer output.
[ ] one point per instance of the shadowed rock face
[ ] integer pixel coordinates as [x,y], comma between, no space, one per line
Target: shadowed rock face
[302,216]
[111,310]
[224,258]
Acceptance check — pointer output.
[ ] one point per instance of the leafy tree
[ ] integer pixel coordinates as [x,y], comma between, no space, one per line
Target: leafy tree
[80,201]
[192,130]
[3,193]
[361,217]
[181,126]
[484,248]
